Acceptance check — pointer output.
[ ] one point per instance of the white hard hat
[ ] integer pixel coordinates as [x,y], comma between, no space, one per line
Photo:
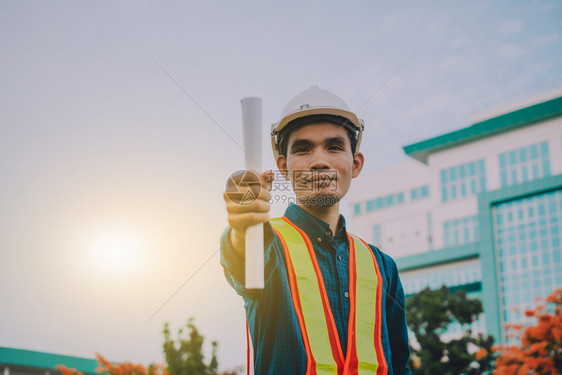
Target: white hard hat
[321,105]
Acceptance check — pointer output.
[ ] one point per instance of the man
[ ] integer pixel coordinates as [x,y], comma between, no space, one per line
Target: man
[332,304]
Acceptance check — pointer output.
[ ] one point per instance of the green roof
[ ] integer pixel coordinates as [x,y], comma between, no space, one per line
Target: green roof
[29,358]
[434,257]
[496,125]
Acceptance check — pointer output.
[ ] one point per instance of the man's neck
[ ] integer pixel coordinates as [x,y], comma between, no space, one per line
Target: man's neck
[328,214]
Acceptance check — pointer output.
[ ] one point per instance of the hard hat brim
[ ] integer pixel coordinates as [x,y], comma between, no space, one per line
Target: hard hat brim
[353,121]
[352,117]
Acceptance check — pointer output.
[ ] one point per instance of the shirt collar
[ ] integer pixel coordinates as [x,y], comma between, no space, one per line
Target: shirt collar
[312,225]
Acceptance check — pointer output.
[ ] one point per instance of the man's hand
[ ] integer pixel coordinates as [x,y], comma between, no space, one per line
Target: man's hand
[247,203]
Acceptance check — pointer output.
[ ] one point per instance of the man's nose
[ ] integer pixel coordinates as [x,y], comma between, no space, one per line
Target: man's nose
[319,159]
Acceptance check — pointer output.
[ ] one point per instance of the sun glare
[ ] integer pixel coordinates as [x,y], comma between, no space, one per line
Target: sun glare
[117,252]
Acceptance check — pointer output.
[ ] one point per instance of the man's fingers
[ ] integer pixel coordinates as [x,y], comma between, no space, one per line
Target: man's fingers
[245,220]
[267,178]
[247,198]
[259,205]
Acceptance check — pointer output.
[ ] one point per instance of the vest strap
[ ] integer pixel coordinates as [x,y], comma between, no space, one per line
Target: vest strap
[310,300]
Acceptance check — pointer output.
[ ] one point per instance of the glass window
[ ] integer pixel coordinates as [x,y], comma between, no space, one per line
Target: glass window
[462,180]
[535,169]
[524,164]
[377,237]
[390,200]
[556,256]
[544,149]
[503,178]
[382,202]
[522,154]
[533,151]
[546,168]
[513,157]
[460,231]
[502,160]
[514,176]
[481,168]
[523,275]
[482,183]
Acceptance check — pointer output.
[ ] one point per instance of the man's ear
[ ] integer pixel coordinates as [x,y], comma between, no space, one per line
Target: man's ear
[282,165]
[358,160]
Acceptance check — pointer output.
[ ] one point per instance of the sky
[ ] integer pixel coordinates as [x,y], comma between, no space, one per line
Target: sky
[121,120]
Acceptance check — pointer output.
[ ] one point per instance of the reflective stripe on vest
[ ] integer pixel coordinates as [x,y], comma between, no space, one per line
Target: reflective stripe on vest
[320,337]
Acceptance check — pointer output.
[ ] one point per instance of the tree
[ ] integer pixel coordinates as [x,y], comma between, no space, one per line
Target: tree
[185,357]
[540,351]
[428,313]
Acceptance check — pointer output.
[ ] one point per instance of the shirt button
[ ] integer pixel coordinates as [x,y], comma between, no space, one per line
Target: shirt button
[339,257]
[319,239]
[346,294]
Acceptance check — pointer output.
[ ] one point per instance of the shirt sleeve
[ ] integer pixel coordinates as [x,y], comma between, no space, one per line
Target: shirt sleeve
[396,321]
[233,263]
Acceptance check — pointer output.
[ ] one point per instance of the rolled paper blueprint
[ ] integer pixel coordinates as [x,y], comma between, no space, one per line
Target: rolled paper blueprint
[252,125]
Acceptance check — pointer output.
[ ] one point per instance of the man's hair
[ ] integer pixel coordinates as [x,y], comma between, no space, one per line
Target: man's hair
[297,123]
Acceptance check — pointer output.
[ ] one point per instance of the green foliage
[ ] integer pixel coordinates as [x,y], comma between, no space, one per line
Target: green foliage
[428,313]
[184,356]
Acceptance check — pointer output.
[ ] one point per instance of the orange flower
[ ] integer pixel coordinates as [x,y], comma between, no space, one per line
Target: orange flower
[68,371]
[481,354]
[104,364]
[516,327]
[539,343]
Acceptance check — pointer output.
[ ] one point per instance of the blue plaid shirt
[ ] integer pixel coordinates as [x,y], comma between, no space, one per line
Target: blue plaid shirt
[273,323]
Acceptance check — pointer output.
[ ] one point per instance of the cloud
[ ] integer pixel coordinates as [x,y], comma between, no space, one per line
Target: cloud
[511,27]
[456,64]
[543,5]
[547,39]
[460,41]
[510,52]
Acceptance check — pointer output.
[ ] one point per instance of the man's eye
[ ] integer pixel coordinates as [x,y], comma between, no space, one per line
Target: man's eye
[299,150]
[335,148]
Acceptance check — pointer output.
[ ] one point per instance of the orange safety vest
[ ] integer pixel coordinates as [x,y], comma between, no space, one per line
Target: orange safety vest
[320,337]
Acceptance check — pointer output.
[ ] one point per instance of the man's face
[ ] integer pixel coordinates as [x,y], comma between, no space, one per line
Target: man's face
[319,163]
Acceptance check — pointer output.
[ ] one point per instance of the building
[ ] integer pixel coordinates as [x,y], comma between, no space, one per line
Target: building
[479,208]
[29,362]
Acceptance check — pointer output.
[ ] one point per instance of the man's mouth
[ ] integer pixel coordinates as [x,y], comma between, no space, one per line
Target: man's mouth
[322,180]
